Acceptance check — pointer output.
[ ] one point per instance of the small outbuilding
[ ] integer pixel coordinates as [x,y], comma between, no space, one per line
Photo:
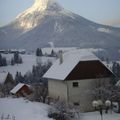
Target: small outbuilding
[21,90]
[73,77]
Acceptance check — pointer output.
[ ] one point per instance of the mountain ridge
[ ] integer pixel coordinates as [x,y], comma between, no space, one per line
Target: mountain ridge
[36,27]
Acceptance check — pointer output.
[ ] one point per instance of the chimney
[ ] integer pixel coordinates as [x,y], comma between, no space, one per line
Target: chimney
[61,56]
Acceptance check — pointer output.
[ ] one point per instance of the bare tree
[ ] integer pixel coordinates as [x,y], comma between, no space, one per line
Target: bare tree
[40,92]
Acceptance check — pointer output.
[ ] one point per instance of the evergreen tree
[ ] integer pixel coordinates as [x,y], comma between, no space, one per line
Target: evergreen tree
[107,60]
[19,78]
[53,54]
[3,61]
[12,61]
[17,59]
[8,85]
[39,52]
[116,69]
[9,79]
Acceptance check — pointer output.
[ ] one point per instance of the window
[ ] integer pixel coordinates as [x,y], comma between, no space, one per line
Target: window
[76,104]
[75,84]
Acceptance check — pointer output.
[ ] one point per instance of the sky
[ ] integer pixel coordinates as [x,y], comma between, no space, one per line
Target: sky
[100,11]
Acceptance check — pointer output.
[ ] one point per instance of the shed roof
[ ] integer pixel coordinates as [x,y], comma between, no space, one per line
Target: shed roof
[17,88]
[70,60]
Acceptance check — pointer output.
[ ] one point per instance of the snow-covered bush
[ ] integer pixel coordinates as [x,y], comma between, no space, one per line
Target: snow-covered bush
[63,111]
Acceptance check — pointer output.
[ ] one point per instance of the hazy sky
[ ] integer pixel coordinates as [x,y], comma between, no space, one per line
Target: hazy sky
[101,11]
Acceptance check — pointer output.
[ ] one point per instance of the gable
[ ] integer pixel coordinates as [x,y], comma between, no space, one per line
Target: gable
[24,89]
[89,70]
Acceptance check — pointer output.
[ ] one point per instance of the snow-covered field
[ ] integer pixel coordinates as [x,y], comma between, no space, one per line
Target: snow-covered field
[23,109]
[26,110]
[66,49]
[28,62]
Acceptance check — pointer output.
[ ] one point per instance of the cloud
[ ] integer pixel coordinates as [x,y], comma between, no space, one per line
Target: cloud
[112,22]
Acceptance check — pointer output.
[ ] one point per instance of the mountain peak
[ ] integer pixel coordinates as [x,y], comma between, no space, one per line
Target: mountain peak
[38,6]
[33,15]
[42,5]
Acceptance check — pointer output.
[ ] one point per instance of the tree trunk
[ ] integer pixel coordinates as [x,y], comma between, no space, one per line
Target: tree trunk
[118,107]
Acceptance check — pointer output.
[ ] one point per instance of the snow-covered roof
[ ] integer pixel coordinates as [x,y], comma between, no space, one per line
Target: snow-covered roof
[17,87]
[70,60]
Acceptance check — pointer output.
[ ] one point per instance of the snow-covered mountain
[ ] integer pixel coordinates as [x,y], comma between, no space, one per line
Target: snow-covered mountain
[46,21]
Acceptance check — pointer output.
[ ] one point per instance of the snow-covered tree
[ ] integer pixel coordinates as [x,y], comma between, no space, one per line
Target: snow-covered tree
[8,85]
[116,69]
[16,59]
[53,53]
[9,79]
[108,92]
[19,78]
[39,52]
[60,110]
[3,61]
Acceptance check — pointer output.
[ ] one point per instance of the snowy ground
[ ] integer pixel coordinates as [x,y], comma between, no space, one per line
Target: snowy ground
[22,109]
[25,110]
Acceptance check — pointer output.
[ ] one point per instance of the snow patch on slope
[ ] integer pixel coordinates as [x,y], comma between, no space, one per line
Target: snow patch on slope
[106,30]
[58,28]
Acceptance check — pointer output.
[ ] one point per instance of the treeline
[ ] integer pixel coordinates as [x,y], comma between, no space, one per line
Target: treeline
[40,53]
[35,76]
[114,66]
[16,59]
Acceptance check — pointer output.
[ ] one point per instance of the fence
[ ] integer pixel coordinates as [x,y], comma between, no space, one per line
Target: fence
[7,117]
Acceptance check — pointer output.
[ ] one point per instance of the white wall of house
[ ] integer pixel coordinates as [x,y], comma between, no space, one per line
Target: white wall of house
[81,94]
[57,89]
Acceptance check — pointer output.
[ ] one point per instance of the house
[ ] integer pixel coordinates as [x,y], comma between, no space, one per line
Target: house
[21,90]
[74,75]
